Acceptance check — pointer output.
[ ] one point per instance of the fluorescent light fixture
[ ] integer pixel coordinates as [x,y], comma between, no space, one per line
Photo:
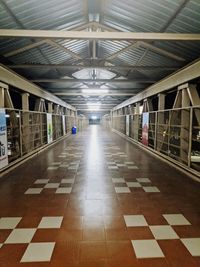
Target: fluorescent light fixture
[94,117]
[94,106]
[95,91]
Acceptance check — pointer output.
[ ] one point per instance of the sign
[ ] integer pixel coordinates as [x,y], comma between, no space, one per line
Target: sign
[127,125]
[3,140]
[64,127]
[145,128]
[49,128]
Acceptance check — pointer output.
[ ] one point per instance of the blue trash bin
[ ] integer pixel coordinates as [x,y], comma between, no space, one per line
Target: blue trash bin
[74,130]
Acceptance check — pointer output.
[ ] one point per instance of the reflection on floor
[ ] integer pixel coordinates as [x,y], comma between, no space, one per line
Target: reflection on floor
[96,200]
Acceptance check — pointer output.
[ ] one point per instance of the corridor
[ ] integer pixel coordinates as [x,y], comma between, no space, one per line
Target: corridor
[96,200]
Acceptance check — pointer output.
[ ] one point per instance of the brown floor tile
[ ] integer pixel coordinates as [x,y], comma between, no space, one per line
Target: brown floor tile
[92,251]
[69,235]
[66,254]
[153,263]
[72,223]
[93,221]
[120,250]
[4,235]
[137,233]
[125,263]
[11,254]
[174,251]
[46,235]
[94,234]
[29,222]
[97,263]
[114,222]
[93,230]
[117,234]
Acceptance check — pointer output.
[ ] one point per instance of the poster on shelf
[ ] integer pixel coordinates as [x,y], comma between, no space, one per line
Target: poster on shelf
[145,128]
[49,128]
[3,140]
[63,122]
[127,125]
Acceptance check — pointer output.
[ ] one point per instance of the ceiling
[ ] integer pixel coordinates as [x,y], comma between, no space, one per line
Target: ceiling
[119,68]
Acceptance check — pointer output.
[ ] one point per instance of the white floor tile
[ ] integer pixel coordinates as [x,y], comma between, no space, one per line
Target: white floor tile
[133,184]
[193,245]
[135,220]
[122,190]
[73,168]
[118,180]
[50,222]
[163,232]
[9,222]
[52,185]
[64,166]
[132,167]
[67,181]
[151,189]
[176,219]
[112,167]
[147,249]
[143,180]
[64,190]
[38,252]
[52,168]
[20,236]
[41,181]
[33,191]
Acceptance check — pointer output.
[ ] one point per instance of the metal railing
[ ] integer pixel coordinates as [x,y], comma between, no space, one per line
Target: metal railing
[174,133]
[27,130]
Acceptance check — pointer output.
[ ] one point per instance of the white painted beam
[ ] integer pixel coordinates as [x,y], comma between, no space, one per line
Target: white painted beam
[74,67]
[91,81]
[93,94]
[3,85]
[11,78]
[79,35]
[188,73]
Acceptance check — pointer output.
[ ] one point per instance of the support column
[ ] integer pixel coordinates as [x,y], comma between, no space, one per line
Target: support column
[50,107]
[137,108]
[161,106]
[25,101]
[185,122]
[2,98]
[160,127]
[26,142]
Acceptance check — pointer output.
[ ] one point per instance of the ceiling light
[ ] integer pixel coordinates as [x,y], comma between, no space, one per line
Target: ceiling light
[95,91]
[94,117]
[94,106]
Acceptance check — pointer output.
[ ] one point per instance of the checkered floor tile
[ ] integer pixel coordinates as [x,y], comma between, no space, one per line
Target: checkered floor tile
[72,165]
[118,164]
[139,183]
[63,187]
[150,248]
[35,252]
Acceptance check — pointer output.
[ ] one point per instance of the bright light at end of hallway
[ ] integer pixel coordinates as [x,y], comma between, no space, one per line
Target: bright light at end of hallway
[95,91]
[94,117]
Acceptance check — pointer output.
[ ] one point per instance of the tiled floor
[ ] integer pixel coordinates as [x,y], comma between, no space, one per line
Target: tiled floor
[96,200]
